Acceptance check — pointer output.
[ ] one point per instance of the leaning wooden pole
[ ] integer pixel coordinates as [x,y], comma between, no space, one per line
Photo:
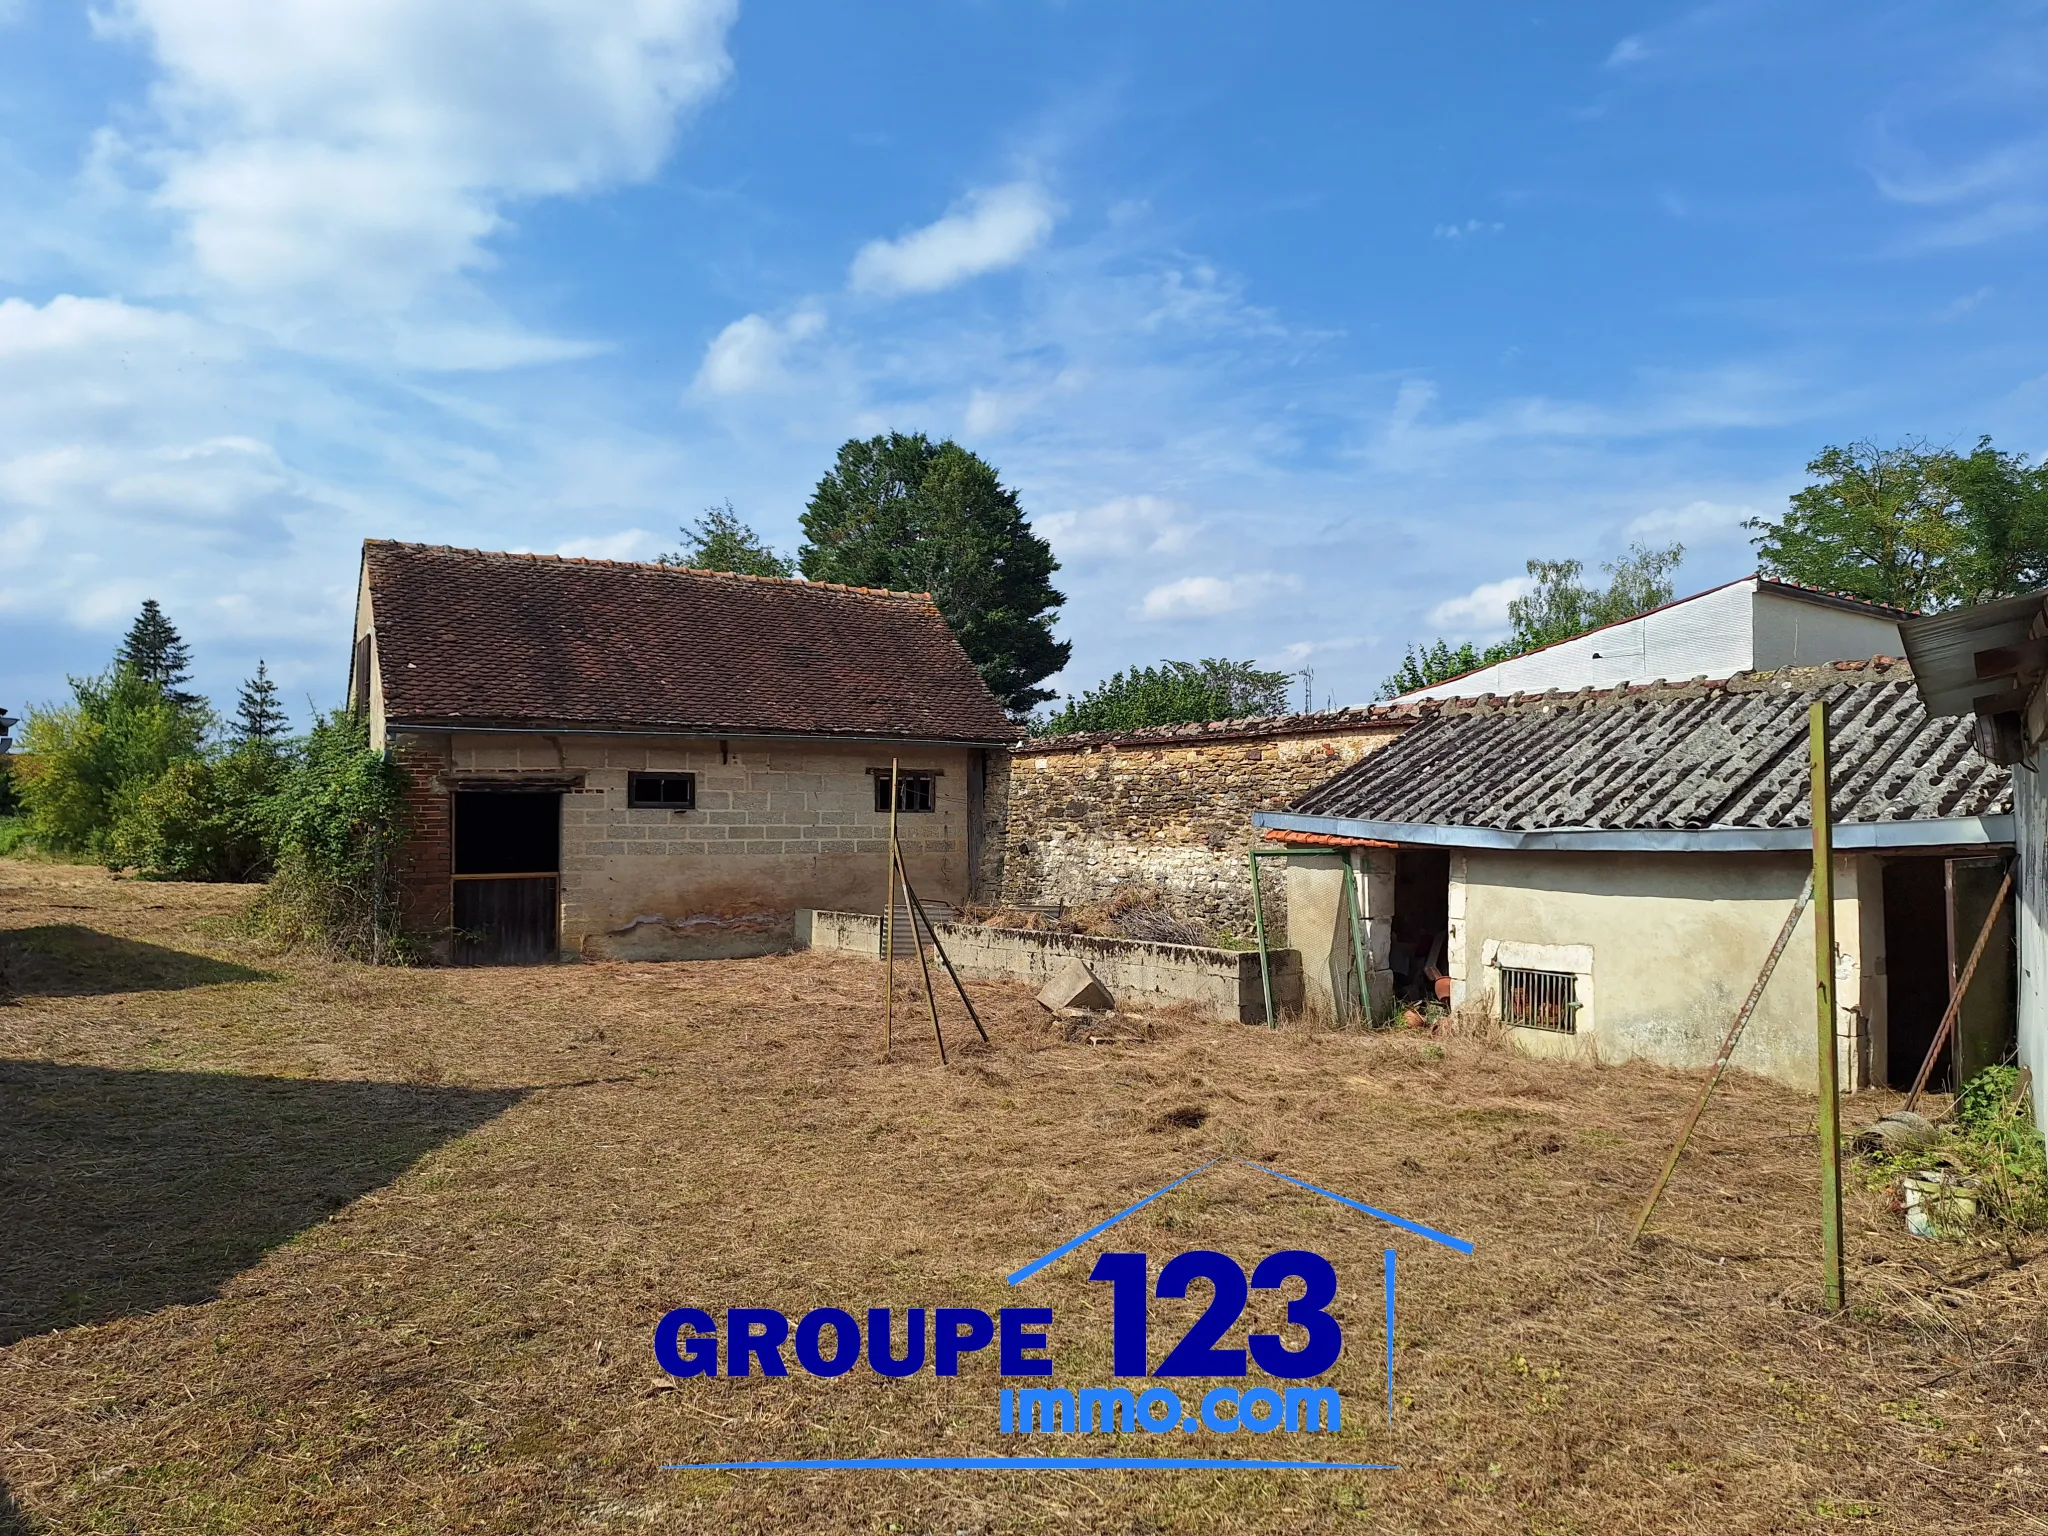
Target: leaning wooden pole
[915,914]
[1728,1043]
[1955,1002]
[889,928]
[945,960]
[1824,1011]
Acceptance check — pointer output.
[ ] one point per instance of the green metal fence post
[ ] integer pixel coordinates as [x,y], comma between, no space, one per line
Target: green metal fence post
[1259,923]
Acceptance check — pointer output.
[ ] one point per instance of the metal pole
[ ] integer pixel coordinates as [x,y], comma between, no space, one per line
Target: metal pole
[1824,1010]
[1351,905]
[1721,1061]
[1259,923]
[889,929]
[1955,1002]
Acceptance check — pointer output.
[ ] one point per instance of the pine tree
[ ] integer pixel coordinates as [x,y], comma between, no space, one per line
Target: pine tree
[260,718]
[156,653]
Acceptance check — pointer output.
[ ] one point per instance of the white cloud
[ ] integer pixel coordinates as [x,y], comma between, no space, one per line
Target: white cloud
[1124,525]
[1695,523]
[998,227]
[1630,50]
[1483,610]
[1202,597]
[747,356]
[317,152]
[1466,230]
[631,544]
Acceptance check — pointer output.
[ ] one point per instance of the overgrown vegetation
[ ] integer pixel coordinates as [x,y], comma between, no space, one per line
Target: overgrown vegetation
[1172,693]
[335,822]
[138,775]
[1558,607]
[1989,1137]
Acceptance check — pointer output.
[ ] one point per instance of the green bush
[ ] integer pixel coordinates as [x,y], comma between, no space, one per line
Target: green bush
[1995,1125]
[336,820]
[206,818]
[90,759]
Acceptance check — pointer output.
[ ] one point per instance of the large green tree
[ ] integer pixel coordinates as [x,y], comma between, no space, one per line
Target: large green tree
[1559,606]
[92,757]
[1172,693]
[721,541]
[902,511]
[1913,525]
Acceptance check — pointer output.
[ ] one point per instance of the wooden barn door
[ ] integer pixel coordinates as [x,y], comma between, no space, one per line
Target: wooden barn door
[508,860]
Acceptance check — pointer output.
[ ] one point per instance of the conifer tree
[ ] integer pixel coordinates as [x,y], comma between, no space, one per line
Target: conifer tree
[260,720]
[155,652]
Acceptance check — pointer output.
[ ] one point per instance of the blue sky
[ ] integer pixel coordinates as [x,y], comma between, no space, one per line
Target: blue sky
[1298,328]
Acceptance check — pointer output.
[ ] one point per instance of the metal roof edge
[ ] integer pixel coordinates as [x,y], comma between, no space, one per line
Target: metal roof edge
[1854,836]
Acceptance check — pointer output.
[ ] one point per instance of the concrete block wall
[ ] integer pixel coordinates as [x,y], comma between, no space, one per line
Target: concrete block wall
[777,825]
[1136,974]
[1090,813]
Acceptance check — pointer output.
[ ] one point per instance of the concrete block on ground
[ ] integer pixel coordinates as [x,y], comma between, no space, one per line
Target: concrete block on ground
[1075,986]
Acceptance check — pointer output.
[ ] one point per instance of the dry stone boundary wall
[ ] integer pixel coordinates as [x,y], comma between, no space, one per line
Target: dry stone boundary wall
[1170,809]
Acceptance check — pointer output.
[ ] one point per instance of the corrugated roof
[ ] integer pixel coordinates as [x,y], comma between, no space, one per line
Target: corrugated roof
[469,638]
[1729,754]
[1944,648]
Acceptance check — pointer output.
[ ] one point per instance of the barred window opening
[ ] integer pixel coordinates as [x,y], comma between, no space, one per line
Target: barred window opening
[1539,999]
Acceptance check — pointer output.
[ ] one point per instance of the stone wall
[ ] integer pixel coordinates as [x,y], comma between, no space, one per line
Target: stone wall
[1171,808]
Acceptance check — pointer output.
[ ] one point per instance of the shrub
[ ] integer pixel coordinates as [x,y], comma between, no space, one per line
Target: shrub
[117,736]
[335,822]
[206,818]
[1999,1139]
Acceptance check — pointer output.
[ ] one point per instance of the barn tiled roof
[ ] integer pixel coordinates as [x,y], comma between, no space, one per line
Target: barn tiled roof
[468,638]
[1721,754]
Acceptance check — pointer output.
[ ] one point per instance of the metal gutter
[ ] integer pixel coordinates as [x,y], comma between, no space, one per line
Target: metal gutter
[692,732]
[1950,831]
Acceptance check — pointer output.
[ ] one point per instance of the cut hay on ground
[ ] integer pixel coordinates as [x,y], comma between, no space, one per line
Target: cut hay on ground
[300,1246]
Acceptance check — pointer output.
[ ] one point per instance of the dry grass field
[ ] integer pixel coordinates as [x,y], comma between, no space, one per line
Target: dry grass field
[290,1246]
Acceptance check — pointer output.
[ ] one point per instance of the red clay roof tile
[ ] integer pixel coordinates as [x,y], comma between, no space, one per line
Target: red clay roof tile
[470,638]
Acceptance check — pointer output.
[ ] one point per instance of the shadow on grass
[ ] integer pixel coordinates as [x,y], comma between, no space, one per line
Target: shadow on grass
[125,1191]
[69,960]
[12,1521]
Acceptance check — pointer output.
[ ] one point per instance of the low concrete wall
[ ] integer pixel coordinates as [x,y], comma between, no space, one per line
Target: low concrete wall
[1136,973]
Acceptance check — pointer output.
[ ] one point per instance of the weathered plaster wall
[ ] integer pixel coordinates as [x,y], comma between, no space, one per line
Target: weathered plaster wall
[1135,973]
[778,825]
[1088,816]
[1675,941]
[1319,928]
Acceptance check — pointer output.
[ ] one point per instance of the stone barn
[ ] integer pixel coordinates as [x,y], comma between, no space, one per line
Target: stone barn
[630,761]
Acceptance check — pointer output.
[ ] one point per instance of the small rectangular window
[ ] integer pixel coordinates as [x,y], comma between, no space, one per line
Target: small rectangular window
[913,792]
[661,791]
[1539,1000]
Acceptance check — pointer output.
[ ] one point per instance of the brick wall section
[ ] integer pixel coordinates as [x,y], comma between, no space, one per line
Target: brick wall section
[1171,808]
[428,855]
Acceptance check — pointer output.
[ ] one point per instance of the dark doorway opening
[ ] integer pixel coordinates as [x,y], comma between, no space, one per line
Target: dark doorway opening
[508,860]
[1934,911]
[1422,921]
[1915,967]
